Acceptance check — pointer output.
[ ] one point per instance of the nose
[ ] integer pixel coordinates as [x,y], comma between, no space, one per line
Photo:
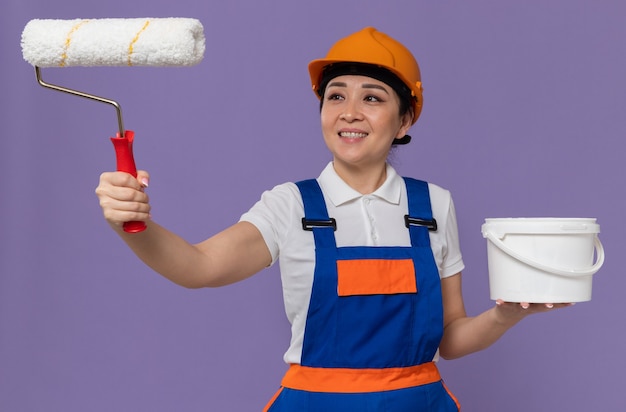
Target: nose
[351,111]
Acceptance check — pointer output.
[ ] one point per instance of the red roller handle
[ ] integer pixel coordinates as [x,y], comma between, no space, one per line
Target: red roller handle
[126,163]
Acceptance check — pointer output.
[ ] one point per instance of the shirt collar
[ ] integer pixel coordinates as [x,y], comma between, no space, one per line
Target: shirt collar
[339,192]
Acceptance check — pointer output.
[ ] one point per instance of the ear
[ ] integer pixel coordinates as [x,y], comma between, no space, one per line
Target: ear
[406,121]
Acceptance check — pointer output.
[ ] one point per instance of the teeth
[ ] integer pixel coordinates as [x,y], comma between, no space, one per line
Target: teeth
[352,134]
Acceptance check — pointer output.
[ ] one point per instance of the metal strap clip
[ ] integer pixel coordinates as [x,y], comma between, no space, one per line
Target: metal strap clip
[416,221]
[309,224]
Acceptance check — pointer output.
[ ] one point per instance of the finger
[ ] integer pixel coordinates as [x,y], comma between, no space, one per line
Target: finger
[121,193]
[119,212]
[120,185]
[122,179]
[143,177]
[124,205]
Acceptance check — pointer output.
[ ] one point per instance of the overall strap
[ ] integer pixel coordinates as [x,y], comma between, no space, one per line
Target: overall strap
[420,218]
[316,217]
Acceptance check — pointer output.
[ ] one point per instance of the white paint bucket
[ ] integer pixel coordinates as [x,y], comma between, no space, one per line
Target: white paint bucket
[542,260]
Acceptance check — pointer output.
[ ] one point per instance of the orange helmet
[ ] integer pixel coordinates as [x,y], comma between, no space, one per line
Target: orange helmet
[369,46]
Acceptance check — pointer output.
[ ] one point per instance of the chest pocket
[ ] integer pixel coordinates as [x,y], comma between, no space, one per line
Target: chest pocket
[375,277]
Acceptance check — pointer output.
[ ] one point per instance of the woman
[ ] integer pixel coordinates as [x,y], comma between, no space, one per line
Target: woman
[370,261]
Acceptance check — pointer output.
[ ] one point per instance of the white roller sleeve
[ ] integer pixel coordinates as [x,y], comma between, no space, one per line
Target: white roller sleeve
[113,42]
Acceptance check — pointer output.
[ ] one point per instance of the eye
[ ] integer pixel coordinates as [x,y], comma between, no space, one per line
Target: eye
[334,96]
[373,98]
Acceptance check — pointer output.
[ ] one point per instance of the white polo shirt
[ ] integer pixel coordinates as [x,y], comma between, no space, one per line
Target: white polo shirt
[376,219]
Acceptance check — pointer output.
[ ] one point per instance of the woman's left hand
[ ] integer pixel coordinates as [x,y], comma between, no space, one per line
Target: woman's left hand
[515,310]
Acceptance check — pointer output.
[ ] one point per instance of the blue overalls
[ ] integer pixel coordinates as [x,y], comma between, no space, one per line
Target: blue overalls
[374,321]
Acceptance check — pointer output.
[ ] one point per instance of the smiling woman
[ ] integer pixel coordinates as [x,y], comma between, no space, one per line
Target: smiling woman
[361,118]
[370,261]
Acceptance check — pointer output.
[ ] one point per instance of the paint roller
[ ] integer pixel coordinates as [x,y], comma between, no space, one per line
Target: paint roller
[161,42]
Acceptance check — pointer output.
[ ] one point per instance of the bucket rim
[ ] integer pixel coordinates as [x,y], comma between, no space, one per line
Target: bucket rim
[540,225]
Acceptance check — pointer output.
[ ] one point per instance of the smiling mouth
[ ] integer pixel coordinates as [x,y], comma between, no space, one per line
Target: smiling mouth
[353,135]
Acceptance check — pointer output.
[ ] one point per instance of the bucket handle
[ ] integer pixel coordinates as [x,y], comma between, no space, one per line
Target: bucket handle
[556,271]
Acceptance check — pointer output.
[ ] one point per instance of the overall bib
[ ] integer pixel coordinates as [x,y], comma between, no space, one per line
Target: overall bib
[374,321]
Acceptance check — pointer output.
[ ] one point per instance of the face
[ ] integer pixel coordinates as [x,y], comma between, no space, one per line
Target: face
[360,119]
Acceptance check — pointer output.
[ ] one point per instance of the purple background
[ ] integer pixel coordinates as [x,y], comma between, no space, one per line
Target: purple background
[524,116]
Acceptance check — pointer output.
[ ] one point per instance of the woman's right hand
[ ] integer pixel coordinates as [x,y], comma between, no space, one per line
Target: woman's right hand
[122,197]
